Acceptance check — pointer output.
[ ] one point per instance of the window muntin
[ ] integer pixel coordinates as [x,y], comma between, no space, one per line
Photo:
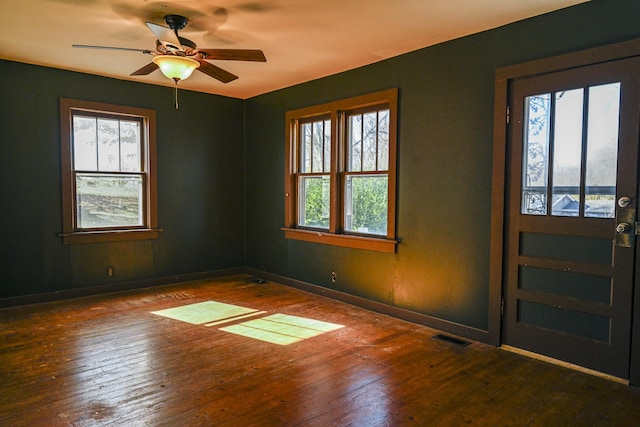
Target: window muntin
[340,172]
[109,182]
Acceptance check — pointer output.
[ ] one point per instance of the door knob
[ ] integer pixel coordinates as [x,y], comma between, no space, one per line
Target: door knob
[626,228]
[624,201]
[623,228]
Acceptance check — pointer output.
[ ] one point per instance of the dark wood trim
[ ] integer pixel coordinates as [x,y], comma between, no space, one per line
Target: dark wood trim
[503,77]
[152,169]
[600,228]
[393,165]
[634,365]
[109,236]
[338,130]
[567,303]
[378,307]
[567,61]
[498,186]
[343,240]
[68,195]
[560,265]
[290,168]
[115,287]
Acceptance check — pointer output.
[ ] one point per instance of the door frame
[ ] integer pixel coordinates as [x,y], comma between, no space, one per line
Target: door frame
[503,78]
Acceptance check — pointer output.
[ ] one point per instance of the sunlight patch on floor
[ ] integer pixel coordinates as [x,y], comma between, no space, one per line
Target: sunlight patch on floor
[281,329]
[205,312]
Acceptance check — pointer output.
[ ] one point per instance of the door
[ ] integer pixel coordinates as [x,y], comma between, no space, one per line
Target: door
[572,196]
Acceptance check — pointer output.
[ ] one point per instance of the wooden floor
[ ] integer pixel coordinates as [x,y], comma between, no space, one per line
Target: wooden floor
[107,360]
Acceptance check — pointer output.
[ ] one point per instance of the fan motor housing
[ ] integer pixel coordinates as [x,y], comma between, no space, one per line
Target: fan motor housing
[176,22]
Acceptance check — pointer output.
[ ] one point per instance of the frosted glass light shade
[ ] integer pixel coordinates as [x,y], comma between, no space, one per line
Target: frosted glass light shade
[176,67]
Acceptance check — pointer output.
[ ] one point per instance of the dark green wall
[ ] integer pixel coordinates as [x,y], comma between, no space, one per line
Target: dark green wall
[201,181]
[221,192]
[441,268]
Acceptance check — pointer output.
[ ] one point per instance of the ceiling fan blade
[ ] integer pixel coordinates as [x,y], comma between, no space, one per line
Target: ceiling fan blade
[86,46]
[165,35]
[147,69]
[215,72]
[234,54]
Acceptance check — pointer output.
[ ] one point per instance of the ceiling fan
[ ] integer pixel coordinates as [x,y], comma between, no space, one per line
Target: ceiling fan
[177,56]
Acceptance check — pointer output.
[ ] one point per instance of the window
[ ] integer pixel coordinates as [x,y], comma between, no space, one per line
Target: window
[341,172]
[571,152]
[109,189]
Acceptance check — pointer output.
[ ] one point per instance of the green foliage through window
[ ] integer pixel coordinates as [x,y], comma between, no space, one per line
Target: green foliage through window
[366,204]
[315,194]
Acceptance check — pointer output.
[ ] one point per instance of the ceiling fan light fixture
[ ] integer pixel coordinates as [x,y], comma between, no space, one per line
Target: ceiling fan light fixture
[176,67]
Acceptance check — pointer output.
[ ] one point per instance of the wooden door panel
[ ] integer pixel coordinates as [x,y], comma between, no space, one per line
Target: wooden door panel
[568,286]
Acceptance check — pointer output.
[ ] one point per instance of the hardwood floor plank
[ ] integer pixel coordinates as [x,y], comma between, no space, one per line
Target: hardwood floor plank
[107,360]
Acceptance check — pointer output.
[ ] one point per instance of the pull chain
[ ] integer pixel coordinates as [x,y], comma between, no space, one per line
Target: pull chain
[175,91]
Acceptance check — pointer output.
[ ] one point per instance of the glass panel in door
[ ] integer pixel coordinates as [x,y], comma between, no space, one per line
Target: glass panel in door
[556,134]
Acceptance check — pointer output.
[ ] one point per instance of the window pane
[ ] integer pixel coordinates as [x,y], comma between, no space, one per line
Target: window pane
[108,201]
[318,147]
[130,160]
[567,152]
[108,145]
[327,146]
[602,150]
[536,150]
[383,140]
[369,141]
[355,143]
[313,201]
[368,145]
[366,204]
[305,150]
[85,154]
[315,147]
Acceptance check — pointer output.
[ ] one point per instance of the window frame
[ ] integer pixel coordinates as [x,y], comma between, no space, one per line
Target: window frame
[71,234]
[338,111]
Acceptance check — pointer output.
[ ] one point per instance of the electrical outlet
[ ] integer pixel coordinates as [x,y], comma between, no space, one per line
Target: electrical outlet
[110,271]
[334,277]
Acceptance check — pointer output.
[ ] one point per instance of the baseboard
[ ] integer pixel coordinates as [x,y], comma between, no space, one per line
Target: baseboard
[115,287]
[378,307]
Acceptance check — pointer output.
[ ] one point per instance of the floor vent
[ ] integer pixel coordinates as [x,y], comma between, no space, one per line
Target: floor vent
[452,340]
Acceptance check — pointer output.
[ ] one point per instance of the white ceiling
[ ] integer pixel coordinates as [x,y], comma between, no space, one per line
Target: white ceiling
[302,39]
